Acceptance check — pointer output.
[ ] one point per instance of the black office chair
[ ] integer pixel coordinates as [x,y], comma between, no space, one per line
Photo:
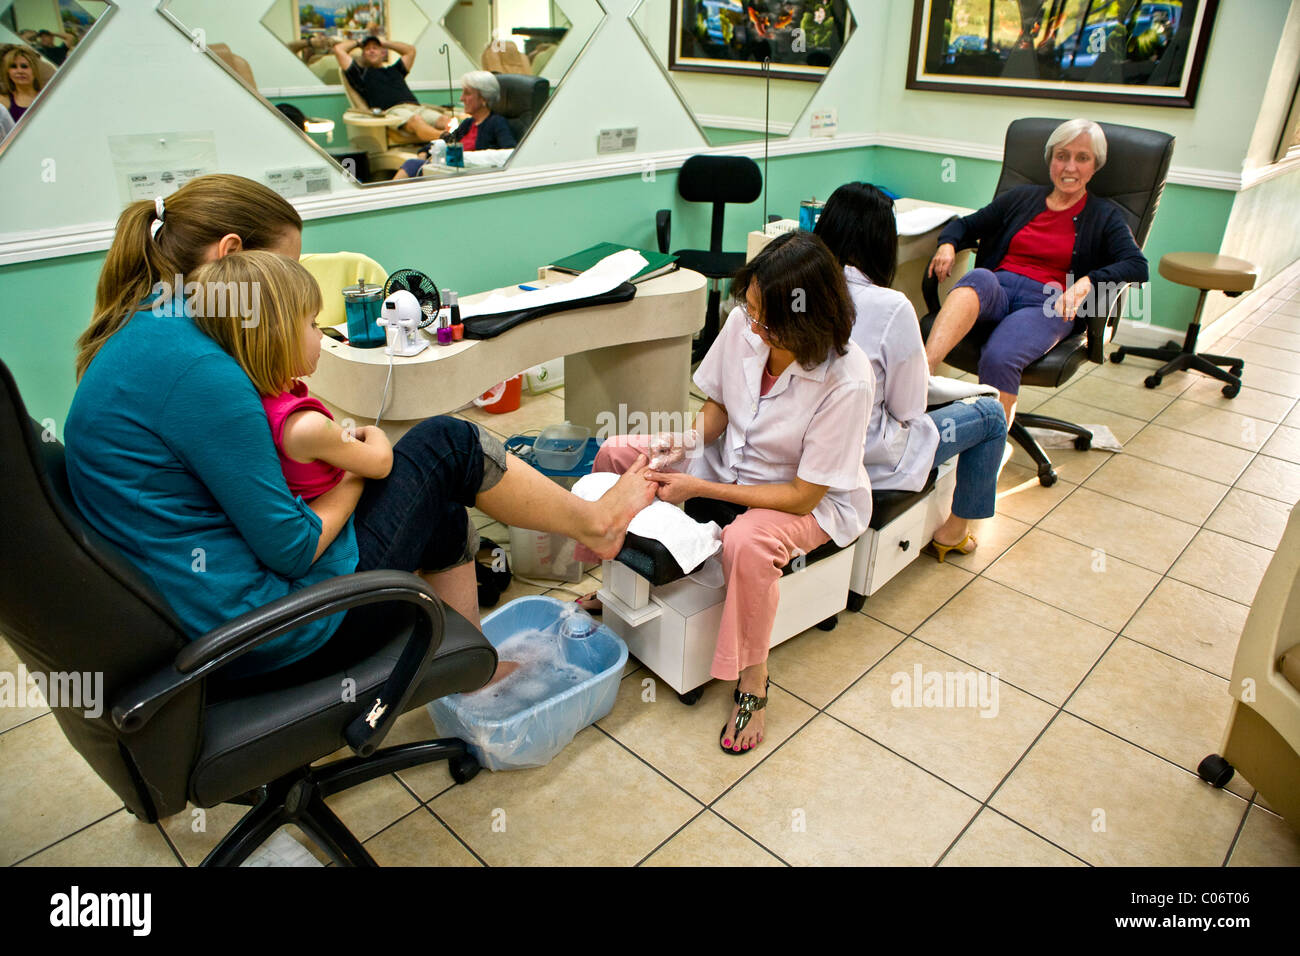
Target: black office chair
[522,98]
[1137,162]
[70,603]
[718,180]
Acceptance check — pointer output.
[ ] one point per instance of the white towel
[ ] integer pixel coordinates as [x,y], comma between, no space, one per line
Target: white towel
[687,540]
[1103,439]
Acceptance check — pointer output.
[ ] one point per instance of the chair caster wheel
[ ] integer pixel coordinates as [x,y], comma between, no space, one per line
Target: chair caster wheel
[1231,390]
[1153,381]
[463,768]
[1215,771]
[856,601]
[691,696]
[1117,356]
[1047,479]
[1083,442]
[828,624]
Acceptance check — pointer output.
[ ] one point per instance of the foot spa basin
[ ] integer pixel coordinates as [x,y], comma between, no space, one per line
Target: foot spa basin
[567,678]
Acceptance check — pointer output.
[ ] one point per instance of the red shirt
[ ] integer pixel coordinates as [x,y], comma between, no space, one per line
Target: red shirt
[1042,250]
[470,139]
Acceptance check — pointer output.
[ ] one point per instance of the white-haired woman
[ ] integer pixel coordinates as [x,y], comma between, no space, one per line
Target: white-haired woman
[483,129]
[1043,250]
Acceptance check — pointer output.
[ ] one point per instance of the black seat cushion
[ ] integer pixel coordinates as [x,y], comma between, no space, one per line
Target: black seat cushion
[650,559]
[1051,371]
[712,265]
[251,739]
[888,505]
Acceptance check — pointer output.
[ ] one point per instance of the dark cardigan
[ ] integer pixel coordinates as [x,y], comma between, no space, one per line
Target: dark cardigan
[1104,249]
[493,133]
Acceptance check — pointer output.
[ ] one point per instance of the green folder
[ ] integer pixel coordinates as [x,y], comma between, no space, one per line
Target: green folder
[657,263]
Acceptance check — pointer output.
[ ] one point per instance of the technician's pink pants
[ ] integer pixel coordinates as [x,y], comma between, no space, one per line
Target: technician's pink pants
[755,547]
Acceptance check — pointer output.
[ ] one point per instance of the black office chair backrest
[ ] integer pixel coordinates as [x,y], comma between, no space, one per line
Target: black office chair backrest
[70,604]
[522,98]
[1137,161]
[719,180]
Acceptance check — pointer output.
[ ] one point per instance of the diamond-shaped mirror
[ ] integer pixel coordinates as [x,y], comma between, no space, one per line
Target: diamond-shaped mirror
[526,37]
[712,52]
[39,42]
[375,120]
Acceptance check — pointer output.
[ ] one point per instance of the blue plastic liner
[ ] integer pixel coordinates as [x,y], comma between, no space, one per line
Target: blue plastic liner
[533,736]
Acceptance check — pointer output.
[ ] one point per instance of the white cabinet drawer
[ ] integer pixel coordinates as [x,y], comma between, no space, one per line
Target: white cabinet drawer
[897,544]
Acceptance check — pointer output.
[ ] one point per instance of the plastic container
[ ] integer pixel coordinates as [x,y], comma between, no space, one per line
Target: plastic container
[503,398]
[533,736]
[560,447]
[538,554]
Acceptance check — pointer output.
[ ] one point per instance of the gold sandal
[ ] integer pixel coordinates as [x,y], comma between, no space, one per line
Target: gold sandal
[965,546]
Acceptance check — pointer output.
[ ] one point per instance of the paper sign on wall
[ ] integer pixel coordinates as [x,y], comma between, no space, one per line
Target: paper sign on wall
[299,180]
[823,123]
[158,164]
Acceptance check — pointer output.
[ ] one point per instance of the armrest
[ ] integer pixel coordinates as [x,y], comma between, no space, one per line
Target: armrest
[664,228]
[930,292]
[358,118]
[1099,324]
[199,660]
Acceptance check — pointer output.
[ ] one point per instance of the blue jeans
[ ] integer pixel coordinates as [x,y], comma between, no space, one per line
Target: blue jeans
[977,432]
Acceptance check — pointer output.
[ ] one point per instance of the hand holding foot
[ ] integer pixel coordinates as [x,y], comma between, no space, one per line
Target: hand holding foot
[615,509]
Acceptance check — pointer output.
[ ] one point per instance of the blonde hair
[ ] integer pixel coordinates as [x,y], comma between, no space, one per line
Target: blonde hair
[33,60]
[1071,130]
[268,343]
[195,217]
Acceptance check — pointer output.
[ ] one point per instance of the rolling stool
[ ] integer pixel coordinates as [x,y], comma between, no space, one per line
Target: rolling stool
[1204,271]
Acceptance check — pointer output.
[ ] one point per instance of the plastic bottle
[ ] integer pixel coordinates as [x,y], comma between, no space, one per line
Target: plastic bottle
[577,640]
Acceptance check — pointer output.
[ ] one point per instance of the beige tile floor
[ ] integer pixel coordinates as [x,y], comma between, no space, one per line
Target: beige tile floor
[1108,607]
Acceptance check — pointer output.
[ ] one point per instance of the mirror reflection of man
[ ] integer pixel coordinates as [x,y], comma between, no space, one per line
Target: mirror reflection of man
[54,47]
[384,87]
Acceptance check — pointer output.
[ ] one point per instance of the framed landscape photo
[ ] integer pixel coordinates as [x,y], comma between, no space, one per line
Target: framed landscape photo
[1148,52]
[801,37]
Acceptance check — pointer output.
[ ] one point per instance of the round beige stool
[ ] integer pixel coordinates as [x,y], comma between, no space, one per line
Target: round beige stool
[1204,271]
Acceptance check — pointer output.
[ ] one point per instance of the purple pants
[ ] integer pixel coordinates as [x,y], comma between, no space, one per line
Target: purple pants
[1023,324]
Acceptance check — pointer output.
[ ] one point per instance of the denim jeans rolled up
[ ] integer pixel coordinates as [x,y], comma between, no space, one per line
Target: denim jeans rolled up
[977,432]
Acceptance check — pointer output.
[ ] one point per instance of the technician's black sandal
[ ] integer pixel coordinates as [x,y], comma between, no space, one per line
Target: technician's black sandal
[748,704]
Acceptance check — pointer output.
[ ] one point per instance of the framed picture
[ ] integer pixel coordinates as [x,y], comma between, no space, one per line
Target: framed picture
[334,19]
[801,37]
[1148,52]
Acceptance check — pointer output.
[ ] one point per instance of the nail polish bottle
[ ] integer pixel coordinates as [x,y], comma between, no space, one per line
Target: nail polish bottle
[457,326]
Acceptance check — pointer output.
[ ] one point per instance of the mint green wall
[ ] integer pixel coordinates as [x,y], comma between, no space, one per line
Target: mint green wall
[1190,219]
[469,244]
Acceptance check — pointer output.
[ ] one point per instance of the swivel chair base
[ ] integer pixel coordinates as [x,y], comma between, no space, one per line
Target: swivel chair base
[1202,271]
[1177,359]
[299,798]
[1019,433]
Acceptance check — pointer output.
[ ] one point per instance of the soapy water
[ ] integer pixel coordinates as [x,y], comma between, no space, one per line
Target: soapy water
[543,673]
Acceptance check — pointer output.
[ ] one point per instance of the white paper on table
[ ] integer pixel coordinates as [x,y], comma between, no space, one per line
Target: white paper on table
[918,221]
[690,542]
[607,274]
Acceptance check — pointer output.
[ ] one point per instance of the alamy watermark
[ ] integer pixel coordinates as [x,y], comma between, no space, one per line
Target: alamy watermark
[241,300]
[82,690]
[921,688]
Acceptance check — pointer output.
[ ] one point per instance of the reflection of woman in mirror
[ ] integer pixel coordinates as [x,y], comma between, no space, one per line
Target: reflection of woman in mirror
[483,129]
[19,81]
[384,87]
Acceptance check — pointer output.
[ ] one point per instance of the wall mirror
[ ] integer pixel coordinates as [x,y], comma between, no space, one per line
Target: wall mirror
[283,52]
[711,51]
[39,41]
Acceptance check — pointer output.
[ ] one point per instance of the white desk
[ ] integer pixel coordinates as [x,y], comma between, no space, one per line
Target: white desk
[914,254]
[634,354]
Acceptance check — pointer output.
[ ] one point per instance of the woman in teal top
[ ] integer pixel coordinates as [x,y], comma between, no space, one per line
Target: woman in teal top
[170,456]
